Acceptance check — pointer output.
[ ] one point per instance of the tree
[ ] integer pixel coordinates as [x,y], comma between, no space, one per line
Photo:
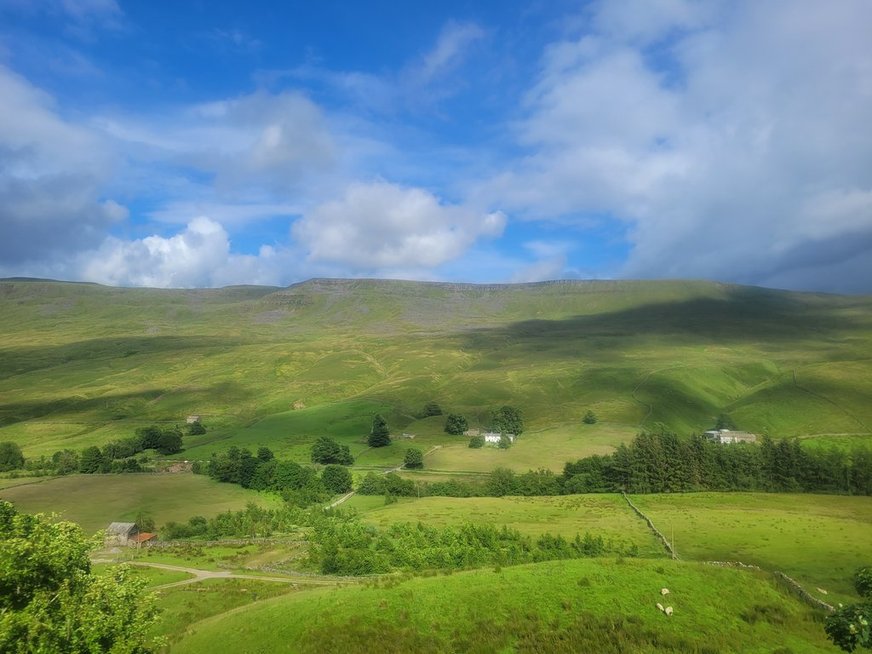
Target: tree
[414,458]
[432,409]
[65,461]
[326,450]
[724,421]
[148,438]
[336,479]
[50,601]
[501,481]
[92,460]
[264,454]
[455,424]
[505,442]
[196,428]
[589,418]
[380,434]
[476,442]
[11,457]
[169,441]
[507,420]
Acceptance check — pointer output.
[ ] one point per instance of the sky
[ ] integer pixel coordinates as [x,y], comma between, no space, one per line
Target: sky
[210,143]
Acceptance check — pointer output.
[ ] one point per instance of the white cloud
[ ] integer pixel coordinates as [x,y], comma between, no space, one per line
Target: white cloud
[382,226]
[451,46]
[262,141]
[51,178]
[198,256]
[736,148]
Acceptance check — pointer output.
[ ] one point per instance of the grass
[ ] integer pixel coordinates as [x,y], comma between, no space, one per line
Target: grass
[570,606]
[820,540]
[82,364]
[601,515]
[152,576]
[185,605]
[93,501]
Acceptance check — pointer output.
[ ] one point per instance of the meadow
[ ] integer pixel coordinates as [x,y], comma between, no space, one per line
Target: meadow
[819,540]
[600,605]
[93,501]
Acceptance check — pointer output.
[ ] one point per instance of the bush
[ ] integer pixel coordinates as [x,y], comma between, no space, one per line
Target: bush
[414,458]
[196,428]
[11,457]
[863,582]
[431,409]
[589,418]
[476,442]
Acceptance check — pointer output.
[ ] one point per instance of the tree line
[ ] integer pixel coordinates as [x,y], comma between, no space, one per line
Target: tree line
[116,456]
[661,462]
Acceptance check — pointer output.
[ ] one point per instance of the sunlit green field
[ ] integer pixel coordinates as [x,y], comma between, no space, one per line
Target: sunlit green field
[820,540]
[589,605]
[93,501]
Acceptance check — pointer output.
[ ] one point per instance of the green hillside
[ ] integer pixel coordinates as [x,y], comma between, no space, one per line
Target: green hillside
[567,606]
[84,364]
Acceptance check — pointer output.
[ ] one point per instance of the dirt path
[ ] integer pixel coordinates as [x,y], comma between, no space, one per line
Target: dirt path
[386,472]
[200,575]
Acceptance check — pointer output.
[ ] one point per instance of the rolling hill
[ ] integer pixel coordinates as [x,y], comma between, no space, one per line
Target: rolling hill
[83,364]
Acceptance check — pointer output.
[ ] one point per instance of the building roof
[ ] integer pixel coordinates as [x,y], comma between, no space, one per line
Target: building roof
[142,537]
[123,528]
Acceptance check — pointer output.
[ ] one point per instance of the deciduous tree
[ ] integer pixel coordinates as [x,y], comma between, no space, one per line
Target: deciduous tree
[414,458]
[51,602]
[455,424]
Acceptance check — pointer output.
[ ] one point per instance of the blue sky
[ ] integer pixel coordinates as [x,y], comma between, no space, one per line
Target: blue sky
[213,143]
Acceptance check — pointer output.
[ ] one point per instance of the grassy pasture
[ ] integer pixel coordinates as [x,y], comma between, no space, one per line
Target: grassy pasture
[819,540]
[183,606]
[568,606]
[602,515]
[93,501]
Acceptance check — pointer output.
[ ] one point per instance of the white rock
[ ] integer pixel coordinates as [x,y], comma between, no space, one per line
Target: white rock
[668,610]
[659,606]
[664,591]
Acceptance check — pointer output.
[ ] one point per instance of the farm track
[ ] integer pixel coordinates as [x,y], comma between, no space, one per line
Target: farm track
[200,575]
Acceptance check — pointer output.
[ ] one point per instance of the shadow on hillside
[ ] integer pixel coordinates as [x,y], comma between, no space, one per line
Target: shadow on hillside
[20,360]
[117,406]
[747,316]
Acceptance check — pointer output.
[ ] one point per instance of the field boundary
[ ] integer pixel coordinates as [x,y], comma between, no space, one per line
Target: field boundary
[660,536]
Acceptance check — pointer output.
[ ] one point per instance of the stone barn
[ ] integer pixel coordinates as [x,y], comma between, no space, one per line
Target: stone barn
[120,533]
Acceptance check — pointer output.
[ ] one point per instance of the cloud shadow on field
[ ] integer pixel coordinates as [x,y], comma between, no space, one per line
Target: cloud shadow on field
[24,359]
[770,319]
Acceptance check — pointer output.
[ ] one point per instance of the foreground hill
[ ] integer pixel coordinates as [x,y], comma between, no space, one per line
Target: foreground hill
[83,364]
[563,606]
